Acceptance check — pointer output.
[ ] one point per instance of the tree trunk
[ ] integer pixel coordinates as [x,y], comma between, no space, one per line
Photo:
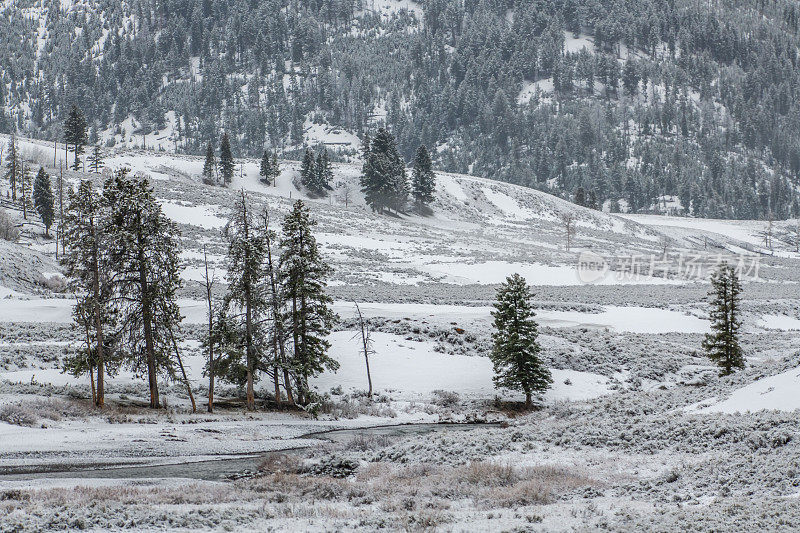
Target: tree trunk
[528,402]
[365,342]
[183,371]
[209,283]
[98,320]
[147,320]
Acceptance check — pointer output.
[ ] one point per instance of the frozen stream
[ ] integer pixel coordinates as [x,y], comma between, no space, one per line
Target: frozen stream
[219,469]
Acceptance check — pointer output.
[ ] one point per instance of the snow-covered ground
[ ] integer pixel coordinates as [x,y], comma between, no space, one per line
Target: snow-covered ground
[623,439]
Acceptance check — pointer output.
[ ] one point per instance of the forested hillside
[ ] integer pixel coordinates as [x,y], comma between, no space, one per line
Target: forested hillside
[685,106]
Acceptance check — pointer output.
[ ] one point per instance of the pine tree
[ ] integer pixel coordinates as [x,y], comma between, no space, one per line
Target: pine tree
[722,344]
[96,159]
[144,251]
[266,172]
[226,160]
[276,168]
[383,176]
[423,180]
[12,167]
[25,187]
[323,173]
[247,293]
[515,354]
[43,199]
[302,281]
[308,171]
[210,166]
[86,235]
[75,134]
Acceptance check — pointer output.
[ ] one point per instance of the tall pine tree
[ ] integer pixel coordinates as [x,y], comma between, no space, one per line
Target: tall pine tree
[383,176]
[144,251]
[515,353]
[722,344]
[308,171]
[96,159]
[247,294]
[423,180]
[87,236]
[226,160]
[308,318]
[210,166]
[75,134]
[43,199]
[12,167]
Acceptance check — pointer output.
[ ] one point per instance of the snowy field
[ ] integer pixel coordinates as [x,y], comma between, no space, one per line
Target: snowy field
[637,433]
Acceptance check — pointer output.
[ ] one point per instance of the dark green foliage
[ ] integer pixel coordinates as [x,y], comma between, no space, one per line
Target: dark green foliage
[87,235]
[96,160]
[308,171]
[270,169]
[247,298]
[43,199]
[75,134]
[515,354]
[710,86]
[13,167]
[226,160]
[316,174]
[143,256]
[423,180]
[308,318]
[383,176]
[210,166]
[722,344]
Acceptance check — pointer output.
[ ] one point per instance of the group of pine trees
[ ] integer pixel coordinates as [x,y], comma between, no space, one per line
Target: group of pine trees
[270,168]
[516,351]
[276,315]
[37,195]
[316,173]
[383,176]
[122,260]
[219,173]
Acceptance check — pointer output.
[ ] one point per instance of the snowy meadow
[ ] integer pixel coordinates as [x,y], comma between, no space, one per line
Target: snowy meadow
[637,432]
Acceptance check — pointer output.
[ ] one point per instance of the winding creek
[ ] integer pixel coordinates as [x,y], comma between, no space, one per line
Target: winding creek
[223,468]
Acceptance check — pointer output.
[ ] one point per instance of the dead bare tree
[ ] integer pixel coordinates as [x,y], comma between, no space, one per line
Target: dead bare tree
[568,220]
[366,342]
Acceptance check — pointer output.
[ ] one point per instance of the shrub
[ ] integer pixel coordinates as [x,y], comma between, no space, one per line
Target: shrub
[18,416]
[8,230]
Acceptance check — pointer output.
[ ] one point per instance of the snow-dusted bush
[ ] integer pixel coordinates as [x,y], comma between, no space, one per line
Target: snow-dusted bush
[8,230]
[18,415]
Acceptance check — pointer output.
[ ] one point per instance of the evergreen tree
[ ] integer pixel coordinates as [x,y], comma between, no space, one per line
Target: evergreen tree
[308,172]
[276,168]
[144,251]
[210,166]
[12,167]
[722,344]
[226,160]
[43,199]
[266,171]
[423,180]
[302,281]
[515,354]
[86,234]
[75,134]
[324,173]
[383,176]
[96,159]
[247,295]
[25,187]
